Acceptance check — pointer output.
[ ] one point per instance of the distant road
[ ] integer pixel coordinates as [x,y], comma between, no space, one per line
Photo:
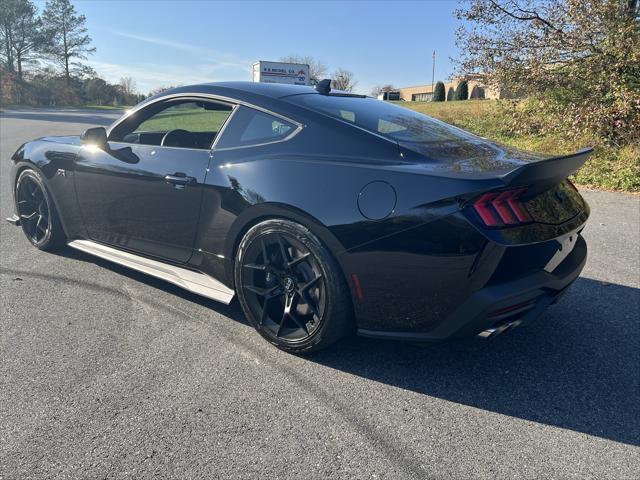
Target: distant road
[58,119]
[107,373]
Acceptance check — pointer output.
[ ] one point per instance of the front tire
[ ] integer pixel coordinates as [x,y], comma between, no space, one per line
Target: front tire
[290,287]
[38,217]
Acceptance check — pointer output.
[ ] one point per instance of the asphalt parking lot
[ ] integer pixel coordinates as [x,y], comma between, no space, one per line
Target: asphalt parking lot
[106,373]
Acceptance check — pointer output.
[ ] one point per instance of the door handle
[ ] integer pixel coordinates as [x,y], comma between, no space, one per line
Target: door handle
[179,179]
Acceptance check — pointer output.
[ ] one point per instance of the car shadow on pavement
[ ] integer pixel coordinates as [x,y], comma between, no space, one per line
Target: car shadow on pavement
[577,367]
[231,311]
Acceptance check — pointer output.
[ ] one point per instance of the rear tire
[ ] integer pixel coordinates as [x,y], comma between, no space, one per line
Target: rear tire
[291,288]
[38,217]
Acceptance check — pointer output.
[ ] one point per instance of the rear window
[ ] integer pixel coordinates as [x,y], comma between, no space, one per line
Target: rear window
[396,123]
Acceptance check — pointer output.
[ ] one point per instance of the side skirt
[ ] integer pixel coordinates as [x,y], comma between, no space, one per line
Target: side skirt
[188,279]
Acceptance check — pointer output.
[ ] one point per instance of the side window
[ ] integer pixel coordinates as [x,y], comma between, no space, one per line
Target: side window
[181,124]
[191,116]
[253,127]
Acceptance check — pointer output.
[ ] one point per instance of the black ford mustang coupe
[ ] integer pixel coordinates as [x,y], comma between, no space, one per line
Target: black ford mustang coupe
[324,212]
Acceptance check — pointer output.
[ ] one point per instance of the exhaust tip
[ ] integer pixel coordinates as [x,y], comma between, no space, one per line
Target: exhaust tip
[500,329]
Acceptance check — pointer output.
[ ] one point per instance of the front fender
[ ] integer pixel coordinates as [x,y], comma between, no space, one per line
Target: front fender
[55,162]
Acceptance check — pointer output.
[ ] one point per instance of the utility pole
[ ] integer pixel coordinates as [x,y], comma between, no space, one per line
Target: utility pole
[433,74]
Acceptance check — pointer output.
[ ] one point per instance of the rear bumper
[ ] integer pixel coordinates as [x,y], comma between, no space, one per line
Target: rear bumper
[520,301]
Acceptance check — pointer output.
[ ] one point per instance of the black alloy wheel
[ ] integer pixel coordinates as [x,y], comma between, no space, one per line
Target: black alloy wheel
[37,214]
[285,287]
[290,288]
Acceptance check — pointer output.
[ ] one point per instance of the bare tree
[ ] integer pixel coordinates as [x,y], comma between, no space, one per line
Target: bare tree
[128,85]
[158,90]
[343,80]
[67,36]
[378,89]
[317,69]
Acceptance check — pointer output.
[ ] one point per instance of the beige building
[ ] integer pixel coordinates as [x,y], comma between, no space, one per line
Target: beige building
[477,90]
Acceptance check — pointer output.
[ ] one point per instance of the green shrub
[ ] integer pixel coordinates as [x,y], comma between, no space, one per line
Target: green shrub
[462,91]
[438,92]
[450,94]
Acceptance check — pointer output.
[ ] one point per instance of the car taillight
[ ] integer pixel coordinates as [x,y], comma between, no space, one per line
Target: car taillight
[504,208]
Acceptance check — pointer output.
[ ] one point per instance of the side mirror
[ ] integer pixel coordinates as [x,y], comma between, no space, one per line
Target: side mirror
[94,136]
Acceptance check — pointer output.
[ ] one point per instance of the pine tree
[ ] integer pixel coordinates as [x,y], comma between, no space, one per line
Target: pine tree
[67,39]
[20,34]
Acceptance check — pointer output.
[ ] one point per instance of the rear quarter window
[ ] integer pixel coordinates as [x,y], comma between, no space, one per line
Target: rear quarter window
[250,127]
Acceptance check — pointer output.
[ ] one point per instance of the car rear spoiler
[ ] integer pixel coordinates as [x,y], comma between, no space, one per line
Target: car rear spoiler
[544,174]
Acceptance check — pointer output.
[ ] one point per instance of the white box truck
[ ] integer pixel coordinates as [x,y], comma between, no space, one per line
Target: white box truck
[279,72]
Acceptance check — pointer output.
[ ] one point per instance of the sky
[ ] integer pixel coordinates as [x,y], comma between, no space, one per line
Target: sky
[172,42]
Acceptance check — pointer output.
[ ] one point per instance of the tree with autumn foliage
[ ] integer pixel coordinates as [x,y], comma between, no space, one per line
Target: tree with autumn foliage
[578,59]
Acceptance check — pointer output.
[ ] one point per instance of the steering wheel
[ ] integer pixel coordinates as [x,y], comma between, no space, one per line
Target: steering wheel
[179,138]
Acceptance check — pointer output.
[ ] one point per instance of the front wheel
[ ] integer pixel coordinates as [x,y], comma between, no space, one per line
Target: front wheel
[38,217]
[290,287]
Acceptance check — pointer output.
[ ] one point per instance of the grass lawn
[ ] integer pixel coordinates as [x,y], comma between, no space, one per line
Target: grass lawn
[612,168]
[192,120]
[106,107]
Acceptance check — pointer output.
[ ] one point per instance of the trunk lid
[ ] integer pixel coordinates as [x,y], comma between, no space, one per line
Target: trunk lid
[482,159]
[555,206]
[534,191]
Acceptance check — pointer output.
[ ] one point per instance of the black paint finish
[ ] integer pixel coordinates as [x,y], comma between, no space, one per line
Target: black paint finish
[129,204]
[397,218]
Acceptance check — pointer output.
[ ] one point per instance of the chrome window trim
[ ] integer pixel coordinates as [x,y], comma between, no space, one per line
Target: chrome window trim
[288,137]
[295,131]
[208,96]
[224,127]
[233,106]
[162,146]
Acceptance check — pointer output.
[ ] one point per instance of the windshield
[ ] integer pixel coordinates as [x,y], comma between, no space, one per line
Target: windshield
[391,121]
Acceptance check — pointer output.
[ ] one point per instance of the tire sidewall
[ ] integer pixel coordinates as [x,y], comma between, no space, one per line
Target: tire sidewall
[46,241]
[329,327]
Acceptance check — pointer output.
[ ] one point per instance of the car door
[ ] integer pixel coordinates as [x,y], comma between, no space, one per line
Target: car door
[248,137]
[144,192]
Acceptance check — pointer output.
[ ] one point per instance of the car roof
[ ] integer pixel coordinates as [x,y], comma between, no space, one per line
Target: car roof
[246,90]
[242,89]
[268,96]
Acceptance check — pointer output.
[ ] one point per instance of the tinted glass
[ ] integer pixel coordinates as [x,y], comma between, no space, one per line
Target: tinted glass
[193,123]
[388,120]
[190,116]
[253,127]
